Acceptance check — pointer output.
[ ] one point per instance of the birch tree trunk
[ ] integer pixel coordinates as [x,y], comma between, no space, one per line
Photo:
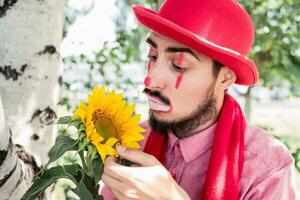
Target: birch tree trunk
[30,79]
[17,168]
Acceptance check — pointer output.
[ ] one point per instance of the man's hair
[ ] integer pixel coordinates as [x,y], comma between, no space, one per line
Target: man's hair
[216,68]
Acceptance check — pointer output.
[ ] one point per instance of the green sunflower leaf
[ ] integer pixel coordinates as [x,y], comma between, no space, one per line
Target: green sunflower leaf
[126,162]
[82,192]
[49,176]
[99,198]
[76,123]
[82,144]
[97,169]
[61,120]
[81,136]
[62,144]
[93,153]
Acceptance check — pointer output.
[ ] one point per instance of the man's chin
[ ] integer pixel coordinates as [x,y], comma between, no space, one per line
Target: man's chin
[158,122]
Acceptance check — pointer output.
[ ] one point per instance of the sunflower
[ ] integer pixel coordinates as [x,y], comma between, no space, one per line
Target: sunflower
[109,122]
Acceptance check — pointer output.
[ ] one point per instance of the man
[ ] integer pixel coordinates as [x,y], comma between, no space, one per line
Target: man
[198,144]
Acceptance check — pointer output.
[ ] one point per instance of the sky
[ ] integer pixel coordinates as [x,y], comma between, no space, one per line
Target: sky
[86,35]
[87,32]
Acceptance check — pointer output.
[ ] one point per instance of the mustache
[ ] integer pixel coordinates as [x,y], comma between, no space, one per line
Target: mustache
[158,95]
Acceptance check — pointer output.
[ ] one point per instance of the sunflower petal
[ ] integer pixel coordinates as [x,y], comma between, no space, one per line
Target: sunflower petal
[132,128]
[133,145]
[95,137]
[132,138]
[109,150]
[135,119]
[111,141]
[124,114]
[101,150]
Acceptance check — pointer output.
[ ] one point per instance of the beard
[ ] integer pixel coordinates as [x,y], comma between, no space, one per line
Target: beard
[184,127]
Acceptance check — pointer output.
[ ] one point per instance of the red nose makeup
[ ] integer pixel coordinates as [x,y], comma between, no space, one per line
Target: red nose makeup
[147,81]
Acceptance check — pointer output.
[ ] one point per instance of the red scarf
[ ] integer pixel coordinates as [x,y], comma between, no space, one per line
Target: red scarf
[227,155]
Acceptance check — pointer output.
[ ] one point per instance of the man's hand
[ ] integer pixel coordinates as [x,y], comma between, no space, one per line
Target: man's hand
[148,180]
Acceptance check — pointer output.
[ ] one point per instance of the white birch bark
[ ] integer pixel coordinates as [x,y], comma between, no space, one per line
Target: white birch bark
[30,77]
[16,172]
[29,82]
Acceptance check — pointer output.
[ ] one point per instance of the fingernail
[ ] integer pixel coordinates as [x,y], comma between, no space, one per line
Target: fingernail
[121,149]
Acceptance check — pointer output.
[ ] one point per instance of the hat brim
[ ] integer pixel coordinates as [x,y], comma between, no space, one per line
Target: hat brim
[244,68]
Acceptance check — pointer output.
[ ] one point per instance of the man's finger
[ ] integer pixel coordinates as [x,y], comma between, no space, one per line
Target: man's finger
[115,170]
[137,156]
[127,195]
[112,182]
[119,195]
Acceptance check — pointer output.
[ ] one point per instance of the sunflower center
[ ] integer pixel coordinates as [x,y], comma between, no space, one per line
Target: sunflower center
[104,126]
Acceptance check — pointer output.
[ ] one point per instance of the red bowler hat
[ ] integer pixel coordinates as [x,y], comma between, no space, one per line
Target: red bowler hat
[220,29]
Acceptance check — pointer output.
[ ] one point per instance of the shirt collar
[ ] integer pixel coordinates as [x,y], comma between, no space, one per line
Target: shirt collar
[193,146]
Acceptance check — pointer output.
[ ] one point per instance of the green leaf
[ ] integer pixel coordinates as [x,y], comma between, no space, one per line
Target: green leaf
[126,162]
[62,144]
[91,185]
[99,198]
[92,152]
[82,192]
[49,176]
[61,120]
[82,144]
[81,127]
[97,169]
[76,123]
[68,120]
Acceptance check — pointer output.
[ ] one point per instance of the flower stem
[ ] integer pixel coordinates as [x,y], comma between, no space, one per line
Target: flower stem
[84,170]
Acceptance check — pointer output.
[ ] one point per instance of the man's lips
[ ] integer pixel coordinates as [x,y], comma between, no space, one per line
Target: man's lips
[155,99]
[157,105]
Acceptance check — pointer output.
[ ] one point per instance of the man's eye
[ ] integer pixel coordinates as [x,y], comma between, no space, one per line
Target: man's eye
[152,58]
[178,69]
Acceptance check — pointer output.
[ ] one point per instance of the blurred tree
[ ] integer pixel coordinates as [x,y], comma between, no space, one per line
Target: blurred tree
[71,14]
[108,64]
[276,50]
[29,86]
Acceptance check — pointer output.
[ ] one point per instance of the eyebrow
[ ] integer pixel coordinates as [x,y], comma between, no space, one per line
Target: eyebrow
[173,49]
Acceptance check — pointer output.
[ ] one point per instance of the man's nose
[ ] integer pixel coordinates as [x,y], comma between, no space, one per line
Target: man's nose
[156,76]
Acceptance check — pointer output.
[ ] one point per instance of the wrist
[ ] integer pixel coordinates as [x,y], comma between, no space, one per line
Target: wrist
[178,194]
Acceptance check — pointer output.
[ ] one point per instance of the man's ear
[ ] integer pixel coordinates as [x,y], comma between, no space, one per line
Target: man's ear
[226,78]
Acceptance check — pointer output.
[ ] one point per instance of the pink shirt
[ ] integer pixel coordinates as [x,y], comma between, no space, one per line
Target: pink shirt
[268,166]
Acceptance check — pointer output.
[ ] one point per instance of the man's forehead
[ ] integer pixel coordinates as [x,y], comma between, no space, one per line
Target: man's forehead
[157,36]
[155,39]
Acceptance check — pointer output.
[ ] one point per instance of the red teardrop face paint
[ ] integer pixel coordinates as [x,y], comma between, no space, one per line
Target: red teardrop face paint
[179,62]
[147,81]
[178,80]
